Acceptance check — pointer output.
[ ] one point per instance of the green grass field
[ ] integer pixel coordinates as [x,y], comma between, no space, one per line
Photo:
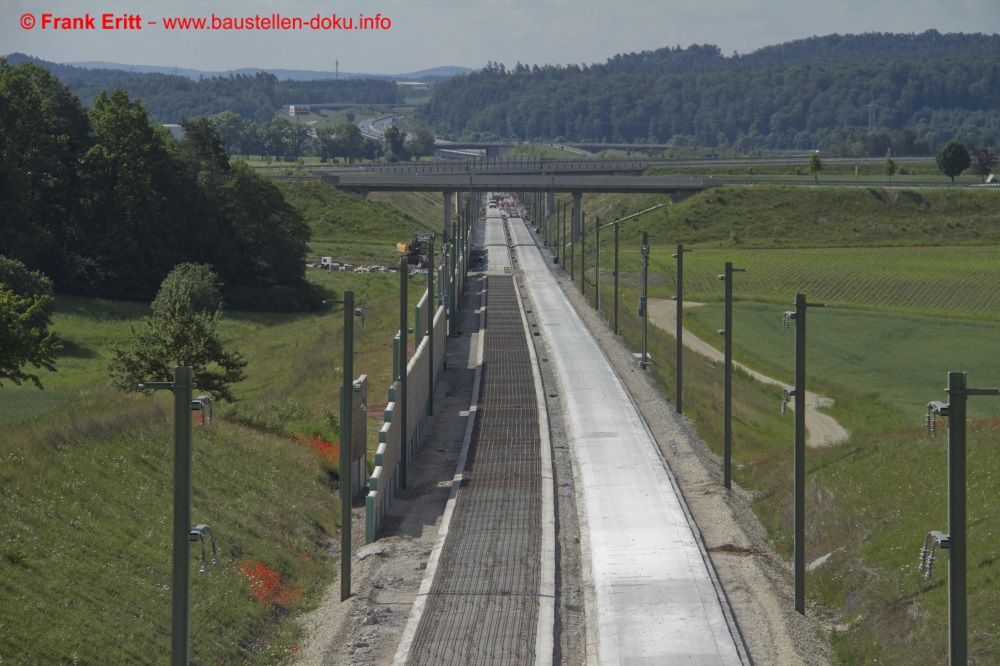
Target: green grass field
[860,171]
[949,281]
[777,217]
[901,361]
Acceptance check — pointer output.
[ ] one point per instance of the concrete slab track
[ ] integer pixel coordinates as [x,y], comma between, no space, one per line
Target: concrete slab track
[652,599]
[490,599]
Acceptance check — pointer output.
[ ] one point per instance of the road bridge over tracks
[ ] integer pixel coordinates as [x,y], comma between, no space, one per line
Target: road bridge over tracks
[674,187]
[420,181]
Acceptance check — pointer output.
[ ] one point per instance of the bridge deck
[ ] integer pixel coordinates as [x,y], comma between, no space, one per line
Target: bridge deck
[489,182]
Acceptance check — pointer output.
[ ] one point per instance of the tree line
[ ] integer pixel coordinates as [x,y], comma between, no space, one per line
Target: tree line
[104,202]
[282,139]
[170,98]
[851,95]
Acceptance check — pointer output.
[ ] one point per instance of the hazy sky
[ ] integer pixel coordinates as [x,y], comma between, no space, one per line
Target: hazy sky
[429,33]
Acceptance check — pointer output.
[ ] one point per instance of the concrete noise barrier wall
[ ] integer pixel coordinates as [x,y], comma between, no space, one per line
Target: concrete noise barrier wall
[359,428]
[394,445]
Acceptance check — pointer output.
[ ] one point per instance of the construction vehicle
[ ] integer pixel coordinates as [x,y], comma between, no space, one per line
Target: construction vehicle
[417,250]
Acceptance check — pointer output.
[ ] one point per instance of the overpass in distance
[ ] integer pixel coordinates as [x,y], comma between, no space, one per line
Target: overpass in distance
[675,187]
[420,181]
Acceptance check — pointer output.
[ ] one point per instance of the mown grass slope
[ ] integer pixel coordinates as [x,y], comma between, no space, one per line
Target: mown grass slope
[349,228]
[86,478]
[773,217]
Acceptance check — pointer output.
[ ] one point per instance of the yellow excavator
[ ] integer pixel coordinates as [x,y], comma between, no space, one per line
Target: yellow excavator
[417,250]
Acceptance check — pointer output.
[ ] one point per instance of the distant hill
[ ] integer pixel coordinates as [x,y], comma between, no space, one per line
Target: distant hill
[256,96]
[433,74]
[850,94]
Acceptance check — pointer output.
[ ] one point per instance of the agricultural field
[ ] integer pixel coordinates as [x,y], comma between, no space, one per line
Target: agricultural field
[776,217]
[949,281]
[899,361]
[860,172]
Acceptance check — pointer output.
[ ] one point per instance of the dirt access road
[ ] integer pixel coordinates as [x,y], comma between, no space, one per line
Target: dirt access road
[821,429]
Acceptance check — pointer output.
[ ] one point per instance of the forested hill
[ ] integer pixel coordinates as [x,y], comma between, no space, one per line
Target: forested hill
[170,98]
[850,94]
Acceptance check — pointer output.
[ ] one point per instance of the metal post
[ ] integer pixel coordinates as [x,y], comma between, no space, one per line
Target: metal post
[572,246]
[182,388]
[431,310]
[597,264]
[560,232]
[561,223]
[799,465]
[554,230]
[443,286]
[680,320]
[346,447]
[643,305]
[617,332]
[453,297]
[727,440]
[958,652]
[183,434]
[800,452]
[583,255]
[957,538]
[563,236]
[401,399]
[575,228]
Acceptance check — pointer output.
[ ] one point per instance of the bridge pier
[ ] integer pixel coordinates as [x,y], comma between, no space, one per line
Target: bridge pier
[497,151]
[680,195]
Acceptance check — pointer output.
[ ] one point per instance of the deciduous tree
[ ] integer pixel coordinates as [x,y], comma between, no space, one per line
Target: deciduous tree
[43,133]
[394,143]
[890,168]
[420,143]
[953,159]
[983,161]
[130,201]
[349,141]
[815,166]
[182,331]
[25,315]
